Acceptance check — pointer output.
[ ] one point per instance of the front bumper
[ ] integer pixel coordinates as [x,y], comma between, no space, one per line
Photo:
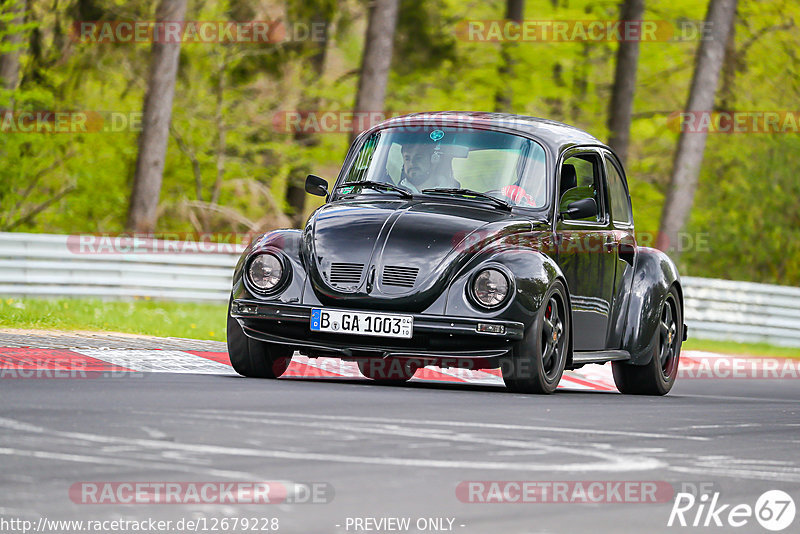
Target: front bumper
[435,338]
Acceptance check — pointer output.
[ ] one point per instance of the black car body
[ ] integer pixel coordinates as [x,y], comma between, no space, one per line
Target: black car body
[543,276]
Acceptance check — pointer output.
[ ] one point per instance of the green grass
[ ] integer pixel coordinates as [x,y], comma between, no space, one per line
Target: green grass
[748,349]
[141,316]
[207,321]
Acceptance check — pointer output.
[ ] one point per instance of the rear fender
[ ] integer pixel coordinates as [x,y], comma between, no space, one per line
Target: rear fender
[653,276]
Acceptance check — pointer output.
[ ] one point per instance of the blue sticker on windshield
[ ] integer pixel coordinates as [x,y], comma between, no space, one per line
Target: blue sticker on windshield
[437,134]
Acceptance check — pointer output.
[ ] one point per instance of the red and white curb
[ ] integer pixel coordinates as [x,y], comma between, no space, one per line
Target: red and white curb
[78,363]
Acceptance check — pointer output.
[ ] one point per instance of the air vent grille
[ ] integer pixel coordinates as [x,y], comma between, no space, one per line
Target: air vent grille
[394,275]
[346,273]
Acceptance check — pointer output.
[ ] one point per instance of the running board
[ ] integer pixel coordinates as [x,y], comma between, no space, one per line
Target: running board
[599,356]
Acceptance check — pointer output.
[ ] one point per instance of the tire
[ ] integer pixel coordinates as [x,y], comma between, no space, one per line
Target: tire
[537,362]
[252,358]
[658,376]
[388,371]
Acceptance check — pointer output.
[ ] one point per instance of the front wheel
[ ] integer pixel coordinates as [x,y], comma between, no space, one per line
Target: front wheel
[537,362]
[253,358]
[658,376]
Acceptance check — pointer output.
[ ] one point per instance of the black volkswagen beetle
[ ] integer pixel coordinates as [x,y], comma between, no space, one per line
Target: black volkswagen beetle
[475,240]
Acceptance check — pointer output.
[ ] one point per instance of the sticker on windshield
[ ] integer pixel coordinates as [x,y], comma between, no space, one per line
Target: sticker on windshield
[437,134]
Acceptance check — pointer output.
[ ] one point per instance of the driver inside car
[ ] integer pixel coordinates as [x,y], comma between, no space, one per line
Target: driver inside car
[424,167]
[429,165]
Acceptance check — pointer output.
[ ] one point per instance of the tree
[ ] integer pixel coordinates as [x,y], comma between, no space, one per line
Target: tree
[619,115]
[691,145]
[156,117]
[503,96]
[377,58]
[319,14]
[424,41]
[14,17]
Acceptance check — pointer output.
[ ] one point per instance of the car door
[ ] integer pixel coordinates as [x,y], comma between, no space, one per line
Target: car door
[624,240]
[586,251]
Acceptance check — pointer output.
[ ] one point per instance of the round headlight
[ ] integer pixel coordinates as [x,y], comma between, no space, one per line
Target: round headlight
[266,271]
[490,288]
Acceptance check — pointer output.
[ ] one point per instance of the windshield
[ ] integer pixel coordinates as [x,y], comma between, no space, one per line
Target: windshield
[508,167]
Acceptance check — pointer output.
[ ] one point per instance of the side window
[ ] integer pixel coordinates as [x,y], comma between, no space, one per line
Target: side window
[361,165]
[581,178]
[620,201]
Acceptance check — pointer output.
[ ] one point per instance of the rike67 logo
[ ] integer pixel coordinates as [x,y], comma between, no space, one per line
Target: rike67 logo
[774,510]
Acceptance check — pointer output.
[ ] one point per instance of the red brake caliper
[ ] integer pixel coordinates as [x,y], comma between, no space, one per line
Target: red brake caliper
[549,314]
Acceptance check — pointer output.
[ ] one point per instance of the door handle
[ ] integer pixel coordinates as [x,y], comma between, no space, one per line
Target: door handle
[610,244]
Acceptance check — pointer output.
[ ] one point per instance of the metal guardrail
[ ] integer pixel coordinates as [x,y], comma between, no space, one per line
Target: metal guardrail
[44,265]
[742,311]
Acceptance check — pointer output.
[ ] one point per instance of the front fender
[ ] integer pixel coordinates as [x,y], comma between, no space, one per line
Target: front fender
[653,276]
[532,272]
[285,243]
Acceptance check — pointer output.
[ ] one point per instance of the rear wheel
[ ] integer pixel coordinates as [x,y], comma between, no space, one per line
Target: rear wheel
[658,376]
[537,362]
[253,358]
[388,371]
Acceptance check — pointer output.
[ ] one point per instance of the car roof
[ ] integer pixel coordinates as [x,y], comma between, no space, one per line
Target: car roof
[557,135]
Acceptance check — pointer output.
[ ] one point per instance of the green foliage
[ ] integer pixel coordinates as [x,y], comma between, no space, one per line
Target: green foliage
[227,165]
[744,349]
[424,39]
[746,212]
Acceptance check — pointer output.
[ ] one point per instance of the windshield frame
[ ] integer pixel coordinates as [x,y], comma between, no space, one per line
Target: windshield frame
[359,142]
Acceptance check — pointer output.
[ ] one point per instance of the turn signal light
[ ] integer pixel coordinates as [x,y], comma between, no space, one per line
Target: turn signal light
[491,328]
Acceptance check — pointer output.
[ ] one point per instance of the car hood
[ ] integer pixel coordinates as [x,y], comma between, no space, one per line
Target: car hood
[396,254]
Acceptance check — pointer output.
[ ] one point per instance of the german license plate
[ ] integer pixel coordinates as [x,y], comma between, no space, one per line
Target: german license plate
[362,323]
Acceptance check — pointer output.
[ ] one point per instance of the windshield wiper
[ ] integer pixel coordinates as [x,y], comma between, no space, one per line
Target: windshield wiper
[469,192]
[380,186]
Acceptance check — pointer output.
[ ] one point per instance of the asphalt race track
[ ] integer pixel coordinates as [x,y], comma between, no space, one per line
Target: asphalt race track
[155,411]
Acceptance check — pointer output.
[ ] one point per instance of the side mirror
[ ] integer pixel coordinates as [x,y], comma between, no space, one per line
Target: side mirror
[316,185]
[581,209]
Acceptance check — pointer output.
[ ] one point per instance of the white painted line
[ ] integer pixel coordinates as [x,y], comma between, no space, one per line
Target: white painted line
[608,457]
[501,426]
[624,464]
